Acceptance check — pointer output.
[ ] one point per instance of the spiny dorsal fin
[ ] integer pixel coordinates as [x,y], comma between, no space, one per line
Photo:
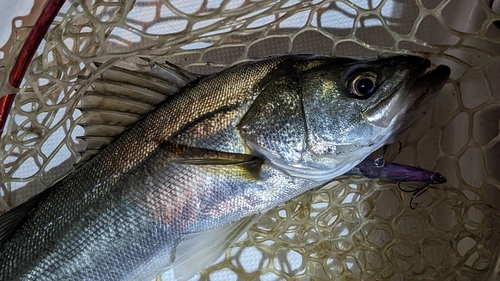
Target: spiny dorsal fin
[144,80]
[95,100]
[98,116]
[127,91]
[120,97]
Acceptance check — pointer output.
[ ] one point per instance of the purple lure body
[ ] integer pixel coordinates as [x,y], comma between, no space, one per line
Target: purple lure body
[375,168]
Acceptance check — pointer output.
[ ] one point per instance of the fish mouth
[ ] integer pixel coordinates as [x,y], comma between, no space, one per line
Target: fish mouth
[409,104]
[432,81]
[422,94]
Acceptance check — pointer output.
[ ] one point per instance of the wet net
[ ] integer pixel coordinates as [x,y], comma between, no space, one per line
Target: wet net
[350,229]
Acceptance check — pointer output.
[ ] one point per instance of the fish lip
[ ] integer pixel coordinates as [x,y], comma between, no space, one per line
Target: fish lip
[425,89]
[419,89]
[436,77]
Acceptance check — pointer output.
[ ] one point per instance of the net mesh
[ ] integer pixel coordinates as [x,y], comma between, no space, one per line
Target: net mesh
[350,229]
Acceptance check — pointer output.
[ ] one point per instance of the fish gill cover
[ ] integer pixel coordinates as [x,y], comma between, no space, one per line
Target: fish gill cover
[353,228]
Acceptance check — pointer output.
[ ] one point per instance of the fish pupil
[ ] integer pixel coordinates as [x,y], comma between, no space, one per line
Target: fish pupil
[365,86]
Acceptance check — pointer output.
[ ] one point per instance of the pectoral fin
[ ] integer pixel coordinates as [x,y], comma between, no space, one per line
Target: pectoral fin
[245,163]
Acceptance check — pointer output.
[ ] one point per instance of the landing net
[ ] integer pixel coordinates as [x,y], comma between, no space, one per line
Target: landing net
[351,229]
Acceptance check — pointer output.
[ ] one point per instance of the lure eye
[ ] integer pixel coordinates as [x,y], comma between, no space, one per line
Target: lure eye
[363,84]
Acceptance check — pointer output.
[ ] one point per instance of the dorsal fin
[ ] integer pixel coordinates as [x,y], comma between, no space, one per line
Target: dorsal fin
[120,97]
[95,100]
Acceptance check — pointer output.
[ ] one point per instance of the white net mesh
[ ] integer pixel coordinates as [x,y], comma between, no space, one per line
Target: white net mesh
[353,229]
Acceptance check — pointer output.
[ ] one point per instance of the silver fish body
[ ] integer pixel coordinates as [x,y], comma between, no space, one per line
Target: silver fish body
[226,146]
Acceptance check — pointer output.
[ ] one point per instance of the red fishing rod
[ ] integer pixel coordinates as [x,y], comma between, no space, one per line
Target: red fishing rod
[26,54]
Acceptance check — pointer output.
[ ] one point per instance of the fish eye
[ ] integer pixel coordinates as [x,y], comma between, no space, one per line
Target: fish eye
[363,84]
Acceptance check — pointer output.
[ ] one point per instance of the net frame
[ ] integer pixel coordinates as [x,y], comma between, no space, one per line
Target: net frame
[465,206]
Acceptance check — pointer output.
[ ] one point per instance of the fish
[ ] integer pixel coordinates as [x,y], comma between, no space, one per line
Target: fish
[179,165]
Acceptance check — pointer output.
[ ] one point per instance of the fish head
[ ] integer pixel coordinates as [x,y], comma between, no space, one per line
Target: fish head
[349,108]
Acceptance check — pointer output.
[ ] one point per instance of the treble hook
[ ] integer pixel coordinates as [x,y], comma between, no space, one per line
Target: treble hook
[418,191]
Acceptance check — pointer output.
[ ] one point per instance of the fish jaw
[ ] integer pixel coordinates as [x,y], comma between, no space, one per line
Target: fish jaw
[407,107]
[422,95]
[415,93]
